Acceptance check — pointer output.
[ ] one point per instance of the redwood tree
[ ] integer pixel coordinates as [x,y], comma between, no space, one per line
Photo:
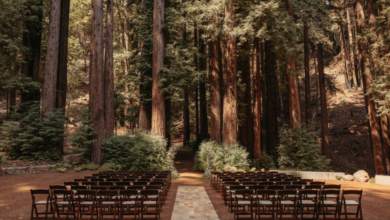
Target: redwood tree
[158,97]
[109,71]
[53,44]
[96,81]
[230,123]
[257,100]
[307,72]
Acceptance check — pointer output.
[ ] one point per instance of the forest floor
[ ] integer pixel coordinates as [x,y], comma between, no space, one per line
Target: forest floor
[15,197]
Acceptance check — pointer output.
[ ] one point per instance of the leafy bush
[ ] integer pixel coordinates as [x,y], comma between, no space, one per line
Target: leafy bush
[339,177]
[265,162]
[82,138]
[299,149]
[372,180]
[141,151]
[104,169]
[3,159]
[90,166]
[220,155]
[28,136]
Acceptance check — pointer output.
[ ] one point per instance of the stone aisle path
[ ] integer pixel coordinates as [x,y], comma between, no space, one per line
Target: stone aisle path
[192,202]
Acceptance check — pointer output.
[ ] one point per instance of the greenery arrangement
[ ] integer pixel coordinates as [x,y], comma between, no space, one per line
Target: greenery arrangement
[28,136]
[141,151]
[220,155]
[3,159]
[265,162]
[299,150]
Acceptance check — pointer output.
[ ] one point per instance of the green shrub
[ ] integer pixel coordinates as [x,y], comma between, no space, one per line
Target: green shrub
[28,136]
[141,151]
[221,156]
[299,149]
[90,166]
[265,162]
[82,138]
[104,169]
[372,180]
[3,159]
[339,177]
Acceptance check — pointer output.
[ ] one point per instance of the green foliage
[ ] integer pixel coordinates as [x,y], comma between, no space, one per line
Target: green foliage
[90,166]
[372,180]
[3,159]
[104,169]
[299,149]
[61,170]
[339,177]
[28,136]
[141,151]
[222,156]
[82,138]
[265,162]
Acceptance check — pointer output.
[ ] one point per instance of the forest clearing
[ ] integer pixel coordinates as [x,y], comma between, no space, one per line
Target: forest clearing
[209,109]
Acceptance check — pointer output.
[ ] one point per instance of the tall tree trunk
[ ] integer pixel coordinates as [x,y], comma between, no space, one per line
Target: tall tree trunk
[271,99]
[324,108]
[186,109]
[62,80]
[293,90]
[197,89]
[96,80]
[158,97]
[12,100]
[351,51]
[202,88]
[215,89]
[109,71]
[347,74]
[257,100]
[247,130]
[168,115]
[230,123]
[307,73]
[385,141]
[367,79]
[263,94]
[53,44]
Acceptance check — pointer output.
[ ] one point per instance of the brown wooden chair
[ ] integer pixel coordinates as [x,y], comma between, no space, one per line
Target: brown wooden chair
[148,200]
[108,203]
[87,199]
[232,192]
[130,203]
[47,202]
[243,198]
[349,202]
[308,199]
[226,189]
[326,206]
[63,199]
[285,203]
[265,203]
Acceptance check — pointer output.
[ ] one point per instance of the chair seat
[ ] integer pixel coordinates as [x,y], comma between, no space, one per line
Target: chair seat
[307,202]
[108,203]
[286,202]
[129,203]
[265,202]
[150,203]
[239,196]
[63,203]
[331,196]
[42,202]
[311,196]
[243,202]
[86,203]
[350,202]
[82,196]
[257,196]
[329,202]
[291,196]
[153,196]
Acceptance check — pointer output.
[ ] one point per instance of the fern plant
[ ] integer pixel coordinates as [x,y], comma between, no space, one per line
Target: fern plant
[299,149]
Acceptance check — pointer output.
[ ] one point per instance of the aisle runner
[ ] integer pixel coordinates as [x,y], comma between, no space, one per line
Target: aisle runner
[192,202]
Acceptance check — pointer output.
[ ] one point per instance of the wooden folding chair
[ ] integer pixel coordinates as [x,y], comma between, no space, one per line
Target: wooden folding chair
[87,199]
[351,203]
[108,203]
[243,198]
[285,202]
[308,199]
[63,198]
[130,203]
[47,203]
[232,192]
[265,203]
[148,200]
[326,206]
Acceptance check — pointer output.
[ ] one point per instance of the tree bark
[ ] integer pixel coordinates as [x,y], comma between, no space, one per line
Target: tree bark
[367,79]
[230,123]
[271,103]
[215,90]
[197,89]
[247,127]
[324,108]
[62,80]
[307,73]
[186,109]
[293,90]
[263,94]
[351,50]
[385,141]
[202,88]
[257,100]
[158,97]
[53,44]
[96,81]
[347,74]
[109,71]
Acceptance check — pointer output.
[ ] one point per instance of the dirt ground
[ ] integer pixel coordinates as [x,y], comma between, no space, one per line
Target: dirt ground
[15,198]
